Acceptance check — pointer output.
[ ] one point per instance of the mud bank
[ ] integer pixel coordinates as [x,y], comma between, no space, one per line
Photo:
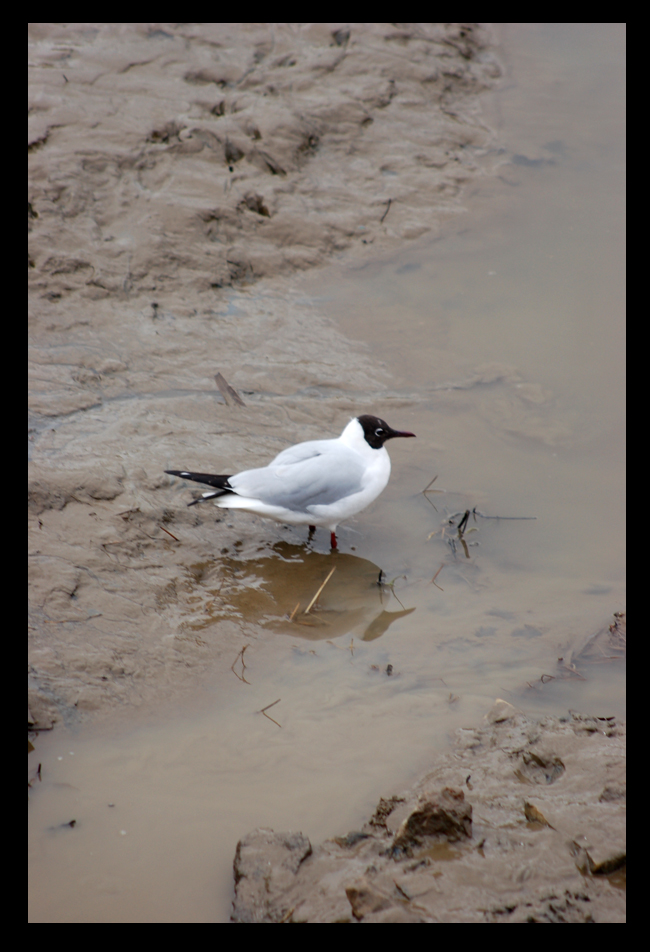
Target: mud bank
[205,155]
[522,821]
[178,176]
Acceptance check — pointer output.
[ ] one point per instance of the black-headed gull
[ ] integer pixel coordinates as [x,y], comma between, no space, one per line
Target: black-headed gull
[318,483]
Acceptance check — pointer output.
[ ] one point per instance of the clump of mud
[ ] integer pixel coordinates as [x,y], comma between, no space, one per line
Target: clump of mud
[523,821]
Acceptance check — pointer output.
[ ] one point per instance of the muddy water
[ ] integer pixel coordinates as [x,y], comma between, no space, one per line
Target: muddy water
[509,333]
[503,339]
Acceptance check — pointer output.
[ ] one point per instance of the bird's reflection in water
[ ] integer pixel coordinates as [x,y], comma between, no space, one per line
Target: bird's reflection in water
[276,590]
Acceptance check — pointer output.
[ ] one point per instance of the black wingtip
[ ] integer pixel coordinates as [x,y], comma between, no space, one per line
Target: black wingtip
[209,479]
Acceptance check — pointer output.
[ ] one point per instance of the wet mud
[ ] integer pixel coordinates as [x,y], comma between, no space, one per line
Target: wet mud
[179,174]
[522,821]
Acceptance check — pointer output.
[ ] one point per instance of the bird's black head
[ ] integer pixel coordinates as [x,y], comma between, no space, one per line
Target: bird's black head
[377,431]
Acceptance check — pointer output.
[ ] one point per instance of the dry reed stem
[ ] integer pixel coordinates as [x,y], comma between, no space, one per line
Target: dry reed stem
[169,533]
[265,709]
[315,598]
[243,665]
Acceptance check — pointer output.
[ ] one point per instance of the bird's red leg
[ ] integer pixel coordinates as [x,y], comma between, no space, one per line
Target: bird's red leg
[333,540]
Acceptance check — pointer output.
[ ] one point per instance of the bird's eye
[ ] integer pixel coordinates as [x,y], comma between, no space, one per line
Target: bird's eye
[379,431]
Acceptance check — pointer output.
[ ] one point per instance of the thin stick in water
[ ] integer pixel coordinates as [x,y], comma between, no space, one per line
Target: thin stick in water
[243,665]
[315,598]
[268,706]
[442,565]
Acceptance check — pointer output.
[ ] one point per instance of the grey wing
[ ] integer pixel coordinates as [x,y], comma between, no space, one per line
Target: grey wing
[318,480]
[302,451]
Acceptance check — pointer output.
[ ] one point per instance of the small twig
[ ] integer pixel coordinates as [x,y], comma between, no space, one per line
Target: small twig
[293,613]
[391,586]
[227,390]
[514,518]
[466,513]
[569,666]
[431,484]
[428,489]
[462,525]
[388,204]
[315,598]
[476,512]
[268,706]
[169,533]
[243,665]
[442,565]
